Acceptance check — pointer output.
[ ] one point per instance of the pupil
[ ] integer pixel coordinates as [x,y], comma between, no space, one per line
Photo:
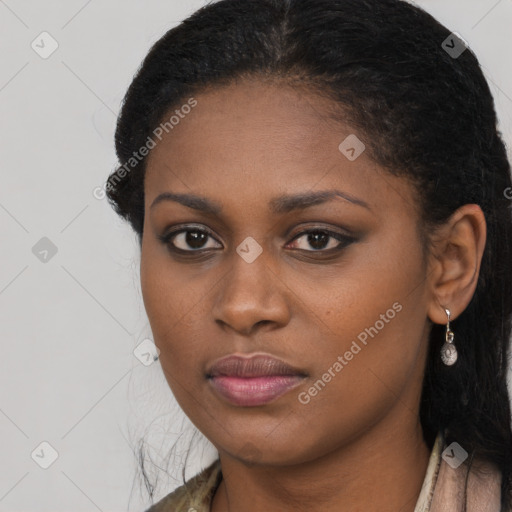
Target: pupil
[315,238]
[193,239]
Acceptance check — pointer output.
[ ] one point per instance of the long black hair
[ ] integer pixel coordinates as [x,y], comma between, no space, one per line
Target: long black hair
[418,95]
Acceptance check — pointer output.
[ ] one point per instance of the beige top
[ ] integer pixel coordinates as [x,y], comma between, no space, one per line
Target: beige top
[442,490]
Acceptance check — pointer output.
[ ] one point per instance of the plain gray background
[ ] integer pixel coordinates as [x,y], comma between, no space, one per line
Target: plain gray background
[71,320]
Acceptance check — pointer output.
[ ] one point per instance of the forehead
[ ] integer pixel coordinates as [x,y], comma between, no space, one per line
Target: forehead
[261,139]
[248,114]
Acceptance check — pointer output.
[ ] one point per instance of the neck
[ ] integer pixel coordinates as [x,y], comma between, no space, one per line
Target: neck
[384,466]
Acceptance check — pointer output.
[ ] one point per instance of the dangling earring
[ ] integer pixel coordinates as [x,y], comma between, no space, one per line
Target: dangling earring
[448,351]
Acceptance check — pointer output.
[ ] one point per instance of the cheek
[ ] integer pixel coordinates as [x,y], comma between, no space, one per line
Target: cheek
[170,310]
[165,301]
[176,306]
[370,294]
[375,318]
[371,380]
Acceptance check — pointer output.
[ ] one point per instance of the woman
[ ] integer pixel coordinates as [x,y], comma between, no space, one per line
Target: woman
[320,195]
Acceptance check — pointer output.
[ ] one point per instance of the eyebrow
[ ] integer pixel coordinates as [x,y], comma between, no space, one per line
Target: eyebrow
[278,205]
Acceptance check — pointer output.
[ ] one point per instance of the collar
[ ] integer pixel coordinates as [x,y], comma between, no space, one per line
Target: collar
[447,477]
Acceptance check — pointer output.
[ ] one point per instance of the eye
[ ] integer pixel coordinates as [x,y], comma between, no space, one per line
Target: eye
[192,239]
[187,240]
[321,240]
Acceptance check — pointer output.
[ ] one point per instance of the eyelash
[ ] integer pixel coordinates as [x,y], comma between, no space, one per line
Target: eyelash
[344,240]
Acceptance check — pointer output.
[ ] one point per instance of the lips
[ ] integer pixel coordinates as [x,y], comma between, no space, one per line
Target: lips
[253,381]
[255,366]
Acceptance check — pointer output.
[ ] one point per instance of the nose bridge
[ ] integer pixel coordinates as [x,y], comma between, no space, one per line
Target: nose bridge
[250,291]
[249,278]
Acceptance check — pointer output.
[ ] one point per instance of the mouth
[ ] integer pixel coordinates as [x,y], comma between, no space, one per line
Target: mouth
[253,381]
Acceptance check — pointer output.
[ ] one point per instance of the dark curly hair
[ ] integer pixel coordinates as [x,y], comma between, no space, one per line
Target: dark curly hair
[427,114]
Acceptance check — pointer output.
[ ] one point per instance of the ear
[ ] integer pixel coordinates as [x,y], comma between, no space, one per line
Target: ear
[454,262]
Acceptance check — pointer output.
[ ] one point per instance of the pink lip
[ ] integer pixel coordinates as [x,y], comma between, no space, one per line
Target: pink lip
[253,381]
[254,391]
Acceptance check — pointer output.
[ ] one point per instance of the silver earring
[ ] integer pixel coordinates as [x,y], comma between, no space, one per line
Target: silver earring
[448,351]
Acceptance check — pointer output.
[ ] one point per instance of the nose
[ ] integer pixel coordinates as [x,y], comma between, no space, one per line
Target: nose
[251,295]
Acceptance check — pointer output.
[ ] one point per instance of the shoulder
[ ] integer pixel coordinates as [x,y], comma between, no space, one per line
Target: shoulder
[195,495]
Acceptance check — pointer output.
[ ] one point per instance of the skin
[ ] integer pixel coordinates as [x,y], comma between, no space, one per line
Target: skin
[359,441]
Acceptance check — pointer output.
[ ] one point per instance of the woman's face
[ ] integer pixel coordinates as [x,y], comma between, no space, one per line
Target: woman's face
[335,287]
